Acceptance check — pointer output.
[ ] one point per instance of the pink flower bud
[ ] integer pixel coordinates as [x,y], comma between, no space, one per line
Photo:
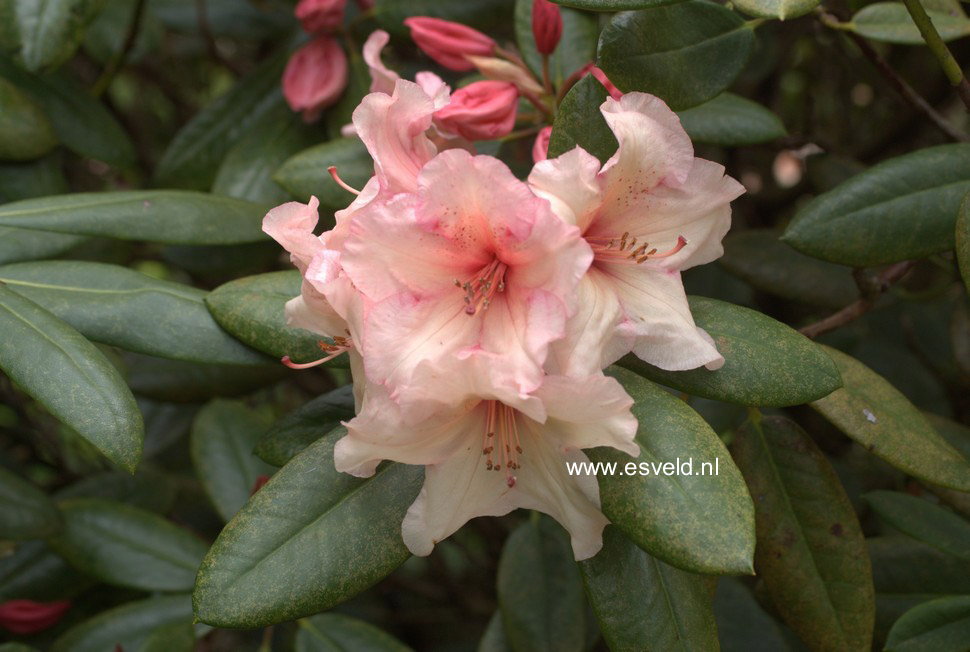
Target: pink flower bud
[540,149]
[546,25]
[315,77]
[28,617]
[601,77]
[448,43]
[318,16]
[483,110]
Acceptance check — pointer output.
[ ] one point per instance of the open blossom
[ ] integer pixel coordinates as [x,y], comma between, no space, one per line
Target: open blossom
[493,454]
[447,42]
[318,16]
[483,110]
[651,211]
[315,77]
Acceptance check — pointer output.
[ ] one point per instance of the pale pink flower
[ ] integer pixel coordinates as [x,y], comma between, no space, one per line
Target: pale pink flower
[483,110]
[448,42]
[651,211]
[492,454]
[540,149]
[315,77]
[318,16]
[383,78]
[546,25]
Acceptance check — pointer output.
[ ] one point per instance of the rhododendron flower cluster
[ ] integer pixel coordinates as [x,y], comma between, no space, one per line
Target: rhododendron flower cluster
[479,310]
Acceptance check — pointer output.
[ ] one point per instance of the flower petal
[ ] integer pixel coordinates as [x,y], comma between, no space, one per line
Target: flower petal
[588,412]
[569,182]
[382,78]
[291,224]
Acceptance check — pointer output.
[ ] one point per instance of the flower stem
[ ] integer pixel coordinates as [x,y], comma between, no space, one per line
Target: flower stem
[939,49]
[546,81]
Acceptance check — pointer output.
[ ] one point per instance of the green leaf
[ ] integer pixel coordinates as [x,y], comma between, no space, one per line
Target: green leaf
[890,22]
[540,593]
[685,53]
[766,363]
[939,625]
[731,120]
[82,124]
[872,412]
[193,156]
[34,572]
[868,220]
[493,640]
[50,30]
[126,546]
[759,258]
[299,429]
[166,216]
[642,603]
[149,490]
[252,310]
[579,122]
[962,240]
[180,382]
[742,625]
[336,633]
[613,5]
[173,637]
[305,174]
[780,9]
[924,521]
[68,375]
[25,511]
[340,535]
[32,179]
[483,14]
[127,626]
[25,131]
[121,307]
[689,518]
[223,436]
[106,34]
[577,45]
[811,554]
[16,647]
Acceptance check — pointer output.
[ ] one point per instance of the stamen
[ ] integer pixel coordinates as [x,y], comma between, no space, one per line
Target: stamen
[502,431]
[340,182]
[340,345]
[480,291]
[626,249]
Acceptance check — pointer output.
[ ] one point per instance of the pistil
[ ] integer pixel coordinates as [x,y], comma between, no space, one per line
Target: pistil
[625,249]
[480,290]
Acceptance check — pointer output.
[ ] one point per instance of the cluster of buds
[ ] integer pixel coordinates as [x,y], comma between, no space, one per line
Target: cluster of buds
[24,617]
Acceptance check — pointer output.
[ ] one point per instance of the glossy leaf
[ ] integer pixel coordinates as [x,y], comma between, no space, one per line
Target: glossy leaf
[868,221]
[167,216]
[127,626]
[940,625]
[126,546]
[299,429]
[150,490]
[223,436]
[766,363]
[742,625]
[731,120]
[962,240]
[642,603]
[613,5]
[690,518]
[336,633]
[50,30]
[685,53]
[540,593]
[180,382]
[86,391]
[579,122]
[32,179]
[493,640]
[121,307]
[891,22]
[874,413]
[34,572]
[305,174]
[811,554]
[25,511]
[577,45]
[340,536]
[25,131]
[924,521]
[172,637]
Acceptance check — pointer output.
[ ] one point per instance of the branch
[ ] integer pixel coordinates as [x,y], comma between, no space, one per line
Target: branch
[939,49]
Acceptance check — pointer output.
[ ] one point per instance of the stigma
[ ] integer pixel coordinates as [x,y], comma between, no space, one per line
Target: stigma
[625,249]
[482,288]
[500,443]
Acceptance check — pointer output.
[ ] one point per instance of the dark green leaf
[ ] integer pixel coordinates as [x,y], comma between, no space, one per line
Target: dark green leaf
[34,572]
[540,593]
[25,131]
[25,511]
[891,22]
[576,48]
[181,382]
[127,626]
[121,307]
[742,625]
[868,220]
[613,5]
[340,535]
[766,363]
[126,546]
[26,244]
[67,374]
[483,14]
[579,122]
[940,625]
[229,18]
[33,179]
[150,490]
[165,424]
[299,429]
[811,554]
[962,240]
[336,633]
[872,412]
[50,30]
[642,603]
[16,647]
[172,637]
[305,174]
[731,120]
[105,36]
[167,216]
[493,640]
[685,53]
[924,521]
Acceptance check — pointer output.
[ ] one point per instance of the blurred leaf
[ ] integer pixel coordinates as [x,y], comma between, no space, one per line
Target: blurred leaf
[68,375]
[126,546]
[613,5]
[811,554]
[104,37]
[481,14]
[193,156]
[939,625]
[149,490]
[685,53]
[576,48]
[219,262]
[731,120]
[694,520]
[167,216]
[16,647]
[340,536]
[924,521]
[305,174]
[127,626]
[579,122]
[868,220]
[766,364]
[310,422]
[49,30]
[540,593]
[34,572]
[781,9]
[121,307]
[229,18]
[493,640]
[642,603]
[171,637]
[742,625]
[962,240]
[223,436]
[25,511]
[32,179]
[890,22]
[872,412]
[181,382]
[336,633]
[25,131]
[165,424]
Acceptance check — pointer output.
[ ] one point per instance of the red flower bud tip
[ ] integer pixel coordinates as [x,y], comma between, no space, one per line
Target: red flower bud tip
[540,149]
[601,77]
[315,77]
[448,43]
[483,110]
[28,617]
[320,16]
[546,25]
[258,484]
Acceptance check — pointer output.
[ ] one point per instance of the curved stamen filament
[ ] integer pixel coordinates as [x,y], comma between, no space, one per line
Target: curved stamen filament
[340,182]
[502,431]
[340,346]
[625,249]
[480,290]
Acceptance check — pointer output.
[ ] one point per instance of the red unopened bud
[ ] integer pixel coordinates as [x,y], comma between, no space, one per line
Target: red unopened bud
[318,16]
[258,484]
[315,77]
[483,110]
[448,43]
[540,149]
[28,617]
[546,25]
